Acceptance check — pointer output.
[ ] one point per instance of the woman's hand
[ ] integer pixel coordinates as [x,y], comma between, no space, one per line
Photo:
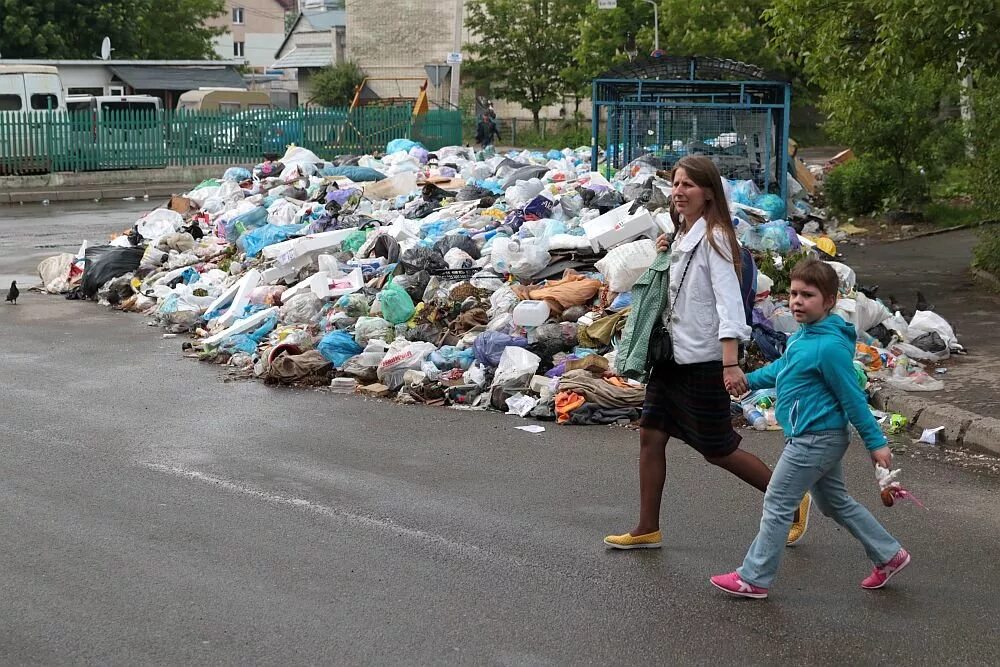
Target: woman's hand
[735,381]
[663,243]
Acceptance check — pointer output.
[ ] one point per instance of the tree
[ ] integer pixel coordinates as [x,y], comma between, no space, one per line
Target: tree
[138,28]
[522,48]
[334,86]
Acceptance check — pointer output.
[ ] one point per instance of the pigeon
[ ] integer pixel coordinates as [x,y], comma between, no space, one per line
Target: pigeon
[922,303]
[13,293]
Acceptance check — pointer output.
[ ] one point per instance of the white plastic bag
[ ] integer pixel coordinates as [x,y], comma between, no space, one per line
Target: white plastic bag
[925,321]
[516,367]
[402,356]
[522,192]
[475,375]
[521,258]
[159,223]
[301,308]
[624,264]
[862,312]
[846,276]
[282,212]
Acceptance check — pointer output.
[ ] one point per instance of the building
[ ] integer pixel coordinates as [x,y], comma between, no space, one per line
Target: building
[317,39]
[165,79]
[254,30]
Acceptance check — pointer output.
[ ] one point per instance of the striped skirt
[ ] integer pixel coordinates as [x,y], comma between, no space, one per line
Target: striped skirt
[690,402]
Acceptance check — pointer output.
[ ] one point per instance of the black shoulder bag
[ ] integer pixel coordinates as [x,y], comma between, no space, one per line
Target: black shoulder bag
[661,347]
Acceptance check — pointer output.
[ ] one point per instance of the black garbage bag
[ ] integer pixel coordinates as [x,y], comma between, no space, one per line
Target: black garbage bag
[549,340]
[605,201]
[930,342]
[508,167]
[422,210]
[524,174]
[431,192]
[102,263]
[472,192]
[423,259]
[414,284]
[882,334]
[385,246]
[460,241]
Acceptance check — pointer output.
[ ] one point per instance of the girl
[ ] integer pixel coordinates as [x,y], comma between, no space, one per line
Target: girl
[687,396]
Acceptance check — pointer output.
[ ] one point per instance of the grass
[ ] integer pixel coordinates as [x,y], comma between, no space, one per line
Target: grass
[954,213]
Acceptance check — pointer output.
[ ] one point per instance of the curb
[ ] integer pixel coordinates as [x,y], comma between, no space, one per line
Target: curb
[110,192]
[961,427]
[938,232]
[987,276]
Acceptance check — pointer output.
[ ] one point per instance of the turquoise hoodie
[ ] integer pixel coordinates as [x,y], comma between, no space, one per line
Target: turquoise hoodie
[817,387]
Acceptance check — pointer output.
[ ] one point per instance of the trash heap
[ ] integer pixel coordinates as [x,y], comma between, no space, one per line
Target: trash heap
[454,278]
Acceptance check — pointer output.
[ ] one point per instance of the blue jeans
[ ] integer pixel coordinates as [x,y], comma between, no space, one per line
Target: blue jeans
[811,461]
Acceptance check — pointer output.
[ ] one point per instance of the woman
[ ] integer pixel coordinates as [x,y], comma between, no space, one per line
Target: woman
[687,396]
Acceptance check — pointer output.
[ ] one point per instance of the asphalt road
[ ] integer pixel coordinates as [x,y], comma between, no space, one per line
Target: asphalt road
[155,513]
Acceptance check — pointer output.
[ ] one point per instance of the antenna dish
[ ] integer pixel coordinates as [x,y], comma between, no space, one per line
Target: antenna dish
[106,48]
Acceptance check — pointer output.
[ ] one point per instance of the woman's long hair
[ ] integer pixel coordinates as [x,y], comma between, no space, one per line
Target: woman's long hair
[703,173]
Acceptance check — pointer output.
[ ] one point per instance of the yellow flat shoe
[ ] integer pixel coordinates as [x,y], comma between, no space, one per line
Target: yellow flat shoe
[798,529]
[630,541]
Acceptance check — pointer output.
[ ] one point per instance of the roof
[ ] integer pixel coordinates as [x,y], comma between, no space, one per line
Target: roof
[317,21]
[27,69]
[311,56]
[287,5]
[178,78]
[685,67]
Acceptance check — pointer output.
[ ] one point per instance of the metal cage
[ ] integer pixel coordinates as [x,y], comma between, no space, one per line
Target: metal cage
[669,107]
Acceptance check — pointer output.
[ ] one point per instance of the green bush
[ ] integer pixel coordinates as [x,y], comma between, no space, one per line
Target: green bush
[859,186]
[985,135]
[986,254]
[334,86]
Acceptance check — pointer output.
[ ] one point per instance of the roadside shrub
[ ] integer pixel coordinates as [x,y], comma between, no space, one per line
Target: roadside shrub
[985,135]
[859,186]
[334,86]
[986,254]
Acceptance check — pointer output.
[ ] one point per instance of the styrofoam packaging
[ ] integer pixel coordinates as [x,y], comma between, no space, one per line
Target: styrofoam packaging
[618,226]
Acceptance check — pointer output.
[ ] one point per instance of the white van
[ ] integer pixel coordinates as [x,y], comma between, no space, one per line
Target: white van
[30,88]
[117,131]
[25,89]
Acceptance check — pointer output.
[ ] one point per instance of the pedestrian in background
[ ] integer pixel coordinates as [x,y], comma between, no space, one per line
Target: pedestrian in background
[818,393]
[486,130]
[688,391]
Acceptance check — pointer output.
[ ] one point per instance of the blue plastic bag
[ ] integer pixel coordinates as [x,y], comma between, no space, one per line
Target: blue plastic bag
[248,342]
[244,222]
[238,174]
[489,346]
[540,207]
[772,205]
[450,356]
[554,155]
[404,145]
[397,306]
[356,174]
[337,347]
[257,239]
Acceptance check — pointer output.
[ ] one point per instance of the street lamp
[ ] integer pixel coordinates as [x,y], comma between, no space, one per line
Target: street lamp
[656,28]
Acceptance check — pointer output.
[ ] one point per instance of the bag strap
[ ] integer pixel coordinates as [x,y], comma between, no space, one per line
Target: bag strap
[680,284]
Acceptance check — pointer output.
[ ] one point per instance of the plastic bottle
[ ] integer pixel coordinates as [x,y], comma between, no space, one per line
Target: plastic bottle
[755,417]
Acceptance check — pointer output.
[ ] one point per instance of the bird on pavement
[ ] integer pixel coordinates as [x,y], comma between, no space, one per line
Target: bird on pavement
[13,293]
[922,303]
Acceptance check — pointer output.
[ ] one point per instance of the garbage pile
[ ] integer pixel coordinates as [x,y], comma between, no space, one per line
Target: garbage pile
[454,278]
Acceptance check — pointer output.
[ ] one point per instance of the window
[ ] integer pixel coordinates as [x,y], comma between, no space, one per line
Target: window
[238,16]
[10,102]
[44,101]
[116,91]
[86,91]
[229,107]
[238,49]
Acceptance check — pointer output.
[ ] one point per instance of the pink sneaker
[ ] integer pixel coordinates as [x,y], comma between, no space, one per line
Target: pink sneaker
[732,584]
[881,575]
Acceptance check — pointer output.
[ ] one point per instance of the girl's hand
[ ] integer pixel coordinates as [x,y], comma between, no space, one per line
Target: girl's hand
[663,243]
[735,381]
[883,457]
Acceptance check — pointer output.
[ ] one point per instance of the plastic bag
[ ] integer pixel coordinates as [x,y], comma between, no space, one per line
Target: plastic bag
[489,346]
[520,405]
[356,174]
[241,224]
[257,239]
[368,329]
[401,357]
[516,367]
[925,321]
[522,192]
[337,347]
[354,241]
[301,308]
[519,258]
[238,174]
[397,306]
[624,264]
[450,356]
[401,145]
[423,259]
[104,263]
[772,205]
[846,276]
[159,223]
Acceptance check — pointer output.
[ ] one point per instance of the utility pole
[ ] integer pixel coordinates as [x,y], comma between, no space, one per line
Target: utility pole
[456,67]
[656,27]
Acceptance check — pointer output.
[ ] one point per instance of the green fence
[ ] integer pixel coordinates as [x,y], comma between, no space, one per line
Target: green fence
[132,138]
